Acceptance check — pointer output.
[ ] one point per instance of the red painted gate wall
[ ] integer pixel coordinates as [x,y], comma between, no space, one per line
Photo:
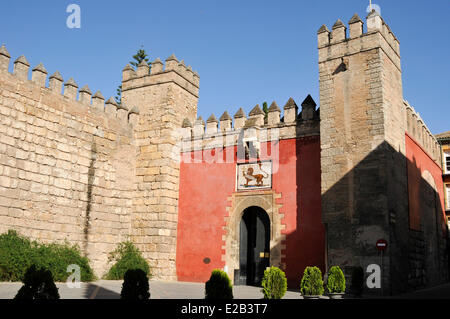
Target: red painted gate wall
[419,161]
[205,187]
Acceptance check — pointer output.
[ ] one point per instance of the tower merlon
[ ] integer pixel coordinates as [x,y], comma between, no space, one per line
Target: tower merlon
[70,89]
[39,75]
[111,107]
[308,108]
[182,68]
[374,21]
[186,129]
[225,122]
[211,124]
[128,73]
[338,32]
[98,101]
[21,67]
[356,26]
[122,113]
[143,69]
[172,62]
[274,114]
[190,74]
[290,111]
[4,58]
[199,127]
[239,119]
[157,66]
[257,115]
[133,116]
[85,95]
[323,36]
[55,82]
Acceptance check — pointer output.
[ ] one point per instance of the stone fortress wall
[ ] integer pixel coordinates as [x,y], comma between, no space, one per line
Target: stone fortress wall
[67,165]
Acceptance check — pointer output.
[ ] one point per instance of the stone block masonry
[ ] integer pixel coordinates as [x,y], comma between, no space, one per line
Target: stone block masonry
[166,96]
[364,120]
[66,167]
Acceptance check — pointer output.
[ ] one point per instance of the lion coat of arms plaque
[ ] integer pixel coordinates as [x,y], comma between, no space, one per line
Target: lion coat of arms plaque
[254,175]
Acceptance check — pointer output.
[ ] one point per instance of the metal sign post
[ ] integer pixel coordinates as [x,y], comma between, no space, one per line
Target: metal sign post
[381,273]
[381,246]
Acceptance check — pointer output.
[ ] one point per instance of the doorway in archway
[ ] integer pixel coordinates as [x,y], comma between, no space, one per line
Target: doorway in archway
[254,246]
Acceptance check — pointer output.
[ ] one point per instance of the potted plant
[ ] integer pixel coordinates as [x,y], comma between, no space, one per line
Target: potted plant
[218,286]
[311,285]
[37,284]
[274,283]
[336,283]
[135,285]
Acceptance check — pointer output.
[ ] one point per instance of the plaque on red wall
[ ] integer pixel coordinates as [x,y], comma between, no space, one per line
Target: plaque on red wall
[257,175]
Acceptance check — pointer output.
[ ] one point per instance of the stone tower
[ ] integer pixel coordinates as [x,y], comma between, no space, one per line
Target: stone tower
[165,96]
[363,123]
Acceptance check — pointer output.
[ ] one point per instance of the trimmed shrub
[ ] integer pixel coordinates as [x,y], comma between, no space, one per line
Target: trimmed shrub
[18,253]
[336,280]
[37,284]
[357,281]
[274,283]
[218,286]
[311,283]
[127,257]
[135,285]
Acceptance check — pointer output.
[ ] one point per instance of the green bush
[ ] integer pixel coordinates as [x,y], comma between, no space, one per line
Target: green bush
[127,256]
[274,283]
[218,286]
[311,283]
[336,280]
[135,285]
[357,281]
[37,284]
[18,253]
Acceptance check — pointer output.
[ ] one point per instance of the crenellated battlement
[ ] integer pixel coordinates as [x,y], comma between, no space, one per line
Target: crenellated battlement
[417,129]
[173,71]
[68,90]
[338,43]
[224,132]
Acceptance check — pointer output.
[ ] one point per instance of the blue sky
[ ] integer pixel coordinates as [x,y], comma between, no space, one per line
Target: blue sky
[245,52]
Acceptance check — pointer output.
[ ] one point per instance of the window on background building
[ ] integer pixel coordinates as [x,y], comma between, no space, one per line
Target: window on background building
[447,162]
[448,195]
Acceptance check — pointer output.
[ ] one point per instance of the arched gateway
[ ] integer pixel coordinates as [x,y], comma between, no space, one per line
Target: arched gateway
[254,246]
[252,228]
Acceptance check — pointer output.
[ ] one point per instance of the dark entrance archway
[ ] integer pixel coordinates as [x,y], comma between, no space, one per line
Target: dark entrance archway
[254,246]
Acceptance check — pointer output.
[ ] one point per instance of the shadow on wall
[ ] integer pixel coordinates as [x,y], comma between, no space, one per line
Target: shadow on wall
[304,243]
[91,176]
[379,198]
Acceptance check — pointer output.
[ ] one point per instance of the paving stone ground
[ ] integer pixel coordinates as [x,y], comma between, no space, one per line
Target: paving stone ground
[110,289]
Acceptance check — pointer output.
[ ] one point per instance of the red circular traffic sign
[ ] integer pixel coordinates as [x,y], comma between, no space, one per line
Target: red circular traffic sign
[381,244]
